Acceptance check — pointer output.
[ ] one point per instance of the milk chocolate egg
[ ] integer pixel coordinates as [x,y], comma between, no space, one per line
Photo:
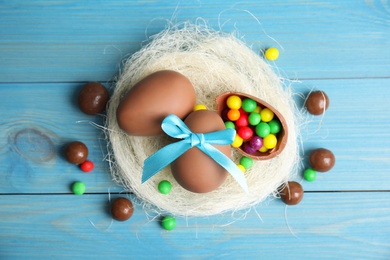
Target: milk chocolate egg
[93,98]
[194,170]
[145,106]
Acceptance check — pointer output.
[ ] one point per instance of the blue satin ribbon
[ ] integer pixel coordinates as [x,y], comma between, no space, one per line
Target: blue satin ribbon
[175,127]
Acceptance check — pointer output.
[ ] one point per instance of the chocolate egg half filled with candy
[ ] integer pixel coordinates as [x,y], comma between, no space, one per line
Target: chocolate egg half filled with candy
[145,106]
[268,118]
[194,170]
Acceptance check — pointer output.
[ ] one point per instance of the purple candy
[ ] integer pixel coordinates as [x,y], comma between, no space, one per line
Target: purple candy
[248,148]
[256,142]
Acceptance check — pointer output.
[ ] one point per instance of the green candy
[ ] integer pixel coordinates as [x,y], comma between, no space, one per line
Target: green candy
[246,162]
[168,223]
[275,126]
[248,105]
[164,187]
[309,174]
[78,188]
[230,124]
[263,129]
[254,118]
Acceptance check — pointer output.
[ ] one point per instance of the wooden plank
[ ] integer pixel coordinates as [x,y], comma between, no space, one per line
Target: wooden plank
[324,225]
[38,120]
[73,41]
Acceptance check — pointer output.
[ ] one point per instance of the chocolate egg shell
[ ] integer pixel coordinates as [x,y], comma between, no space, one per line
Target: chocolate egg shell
[317,102]
[282,135]
[322,160]
[93,98]
[122,209]
[292,193]
[144,107]
[76,152]
[194,170]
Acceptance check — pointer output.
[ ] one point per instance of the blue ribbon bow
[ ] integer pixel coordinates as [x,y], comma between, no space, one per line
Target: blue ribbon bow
[175,127]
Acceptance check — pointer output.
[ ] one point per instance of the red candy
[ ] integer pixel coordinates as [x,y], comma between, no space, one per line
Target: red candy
[245,132]
[242,120]
[87,166]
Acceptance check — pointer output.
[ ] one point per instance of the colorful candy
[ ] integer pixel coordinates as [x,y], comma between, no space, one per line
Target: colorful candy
[234,102]
[254,118]
[309,174]
[241,167]
[270,141]
[245,132]
[246,162]
[168,223]
[271,53]
[242,120]
[256,126]
[230,124]
[248,105]
[263,129]
[87,166]
[165,187]
[78,188]
[200,107]
[233,114]
[266,115]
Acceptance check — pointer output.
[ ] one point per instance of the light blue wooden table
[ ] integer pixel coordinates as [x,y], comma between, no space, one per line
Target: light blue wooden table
[48,49]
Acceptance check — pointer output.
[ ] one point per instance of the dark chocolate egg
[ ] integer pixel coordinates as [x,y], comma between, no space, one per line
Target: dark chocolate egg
[93,98]
[194,170]
[144,107]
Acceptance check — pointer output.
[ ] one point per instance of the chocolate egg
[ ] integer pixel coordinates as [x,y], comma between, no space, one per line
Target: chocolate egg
[76,152]
[317,102]
[292,193]
[322,160]
[93,98]
[143,109]
[122,209]
[194,170]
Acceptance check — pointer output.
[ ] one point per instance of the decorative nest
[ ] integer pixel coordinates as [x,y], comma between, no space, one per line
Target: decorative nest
[215,63]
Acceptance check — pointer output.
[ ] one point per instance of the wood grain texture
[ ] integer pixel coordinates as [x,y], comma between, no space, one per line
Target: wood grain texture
[355,128]
[49,49]
[72,41]
[73,226]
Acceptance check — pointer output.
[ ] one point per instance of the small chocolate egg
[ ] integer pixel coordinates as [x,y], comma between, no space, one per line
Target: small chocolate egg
[317,102]
[122,209]
[194,170]
[76,152]
[145,106]
[93,98]
[292,193]
[322,160]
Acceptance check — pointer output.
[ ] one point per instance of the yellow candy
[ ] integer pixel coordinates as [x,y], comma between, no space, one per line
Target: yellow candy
[271,53]
[237,141]
[257,110]
[200,107]
[270,141]
[266,115]
[234,102]
[242,168]
[263,149]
